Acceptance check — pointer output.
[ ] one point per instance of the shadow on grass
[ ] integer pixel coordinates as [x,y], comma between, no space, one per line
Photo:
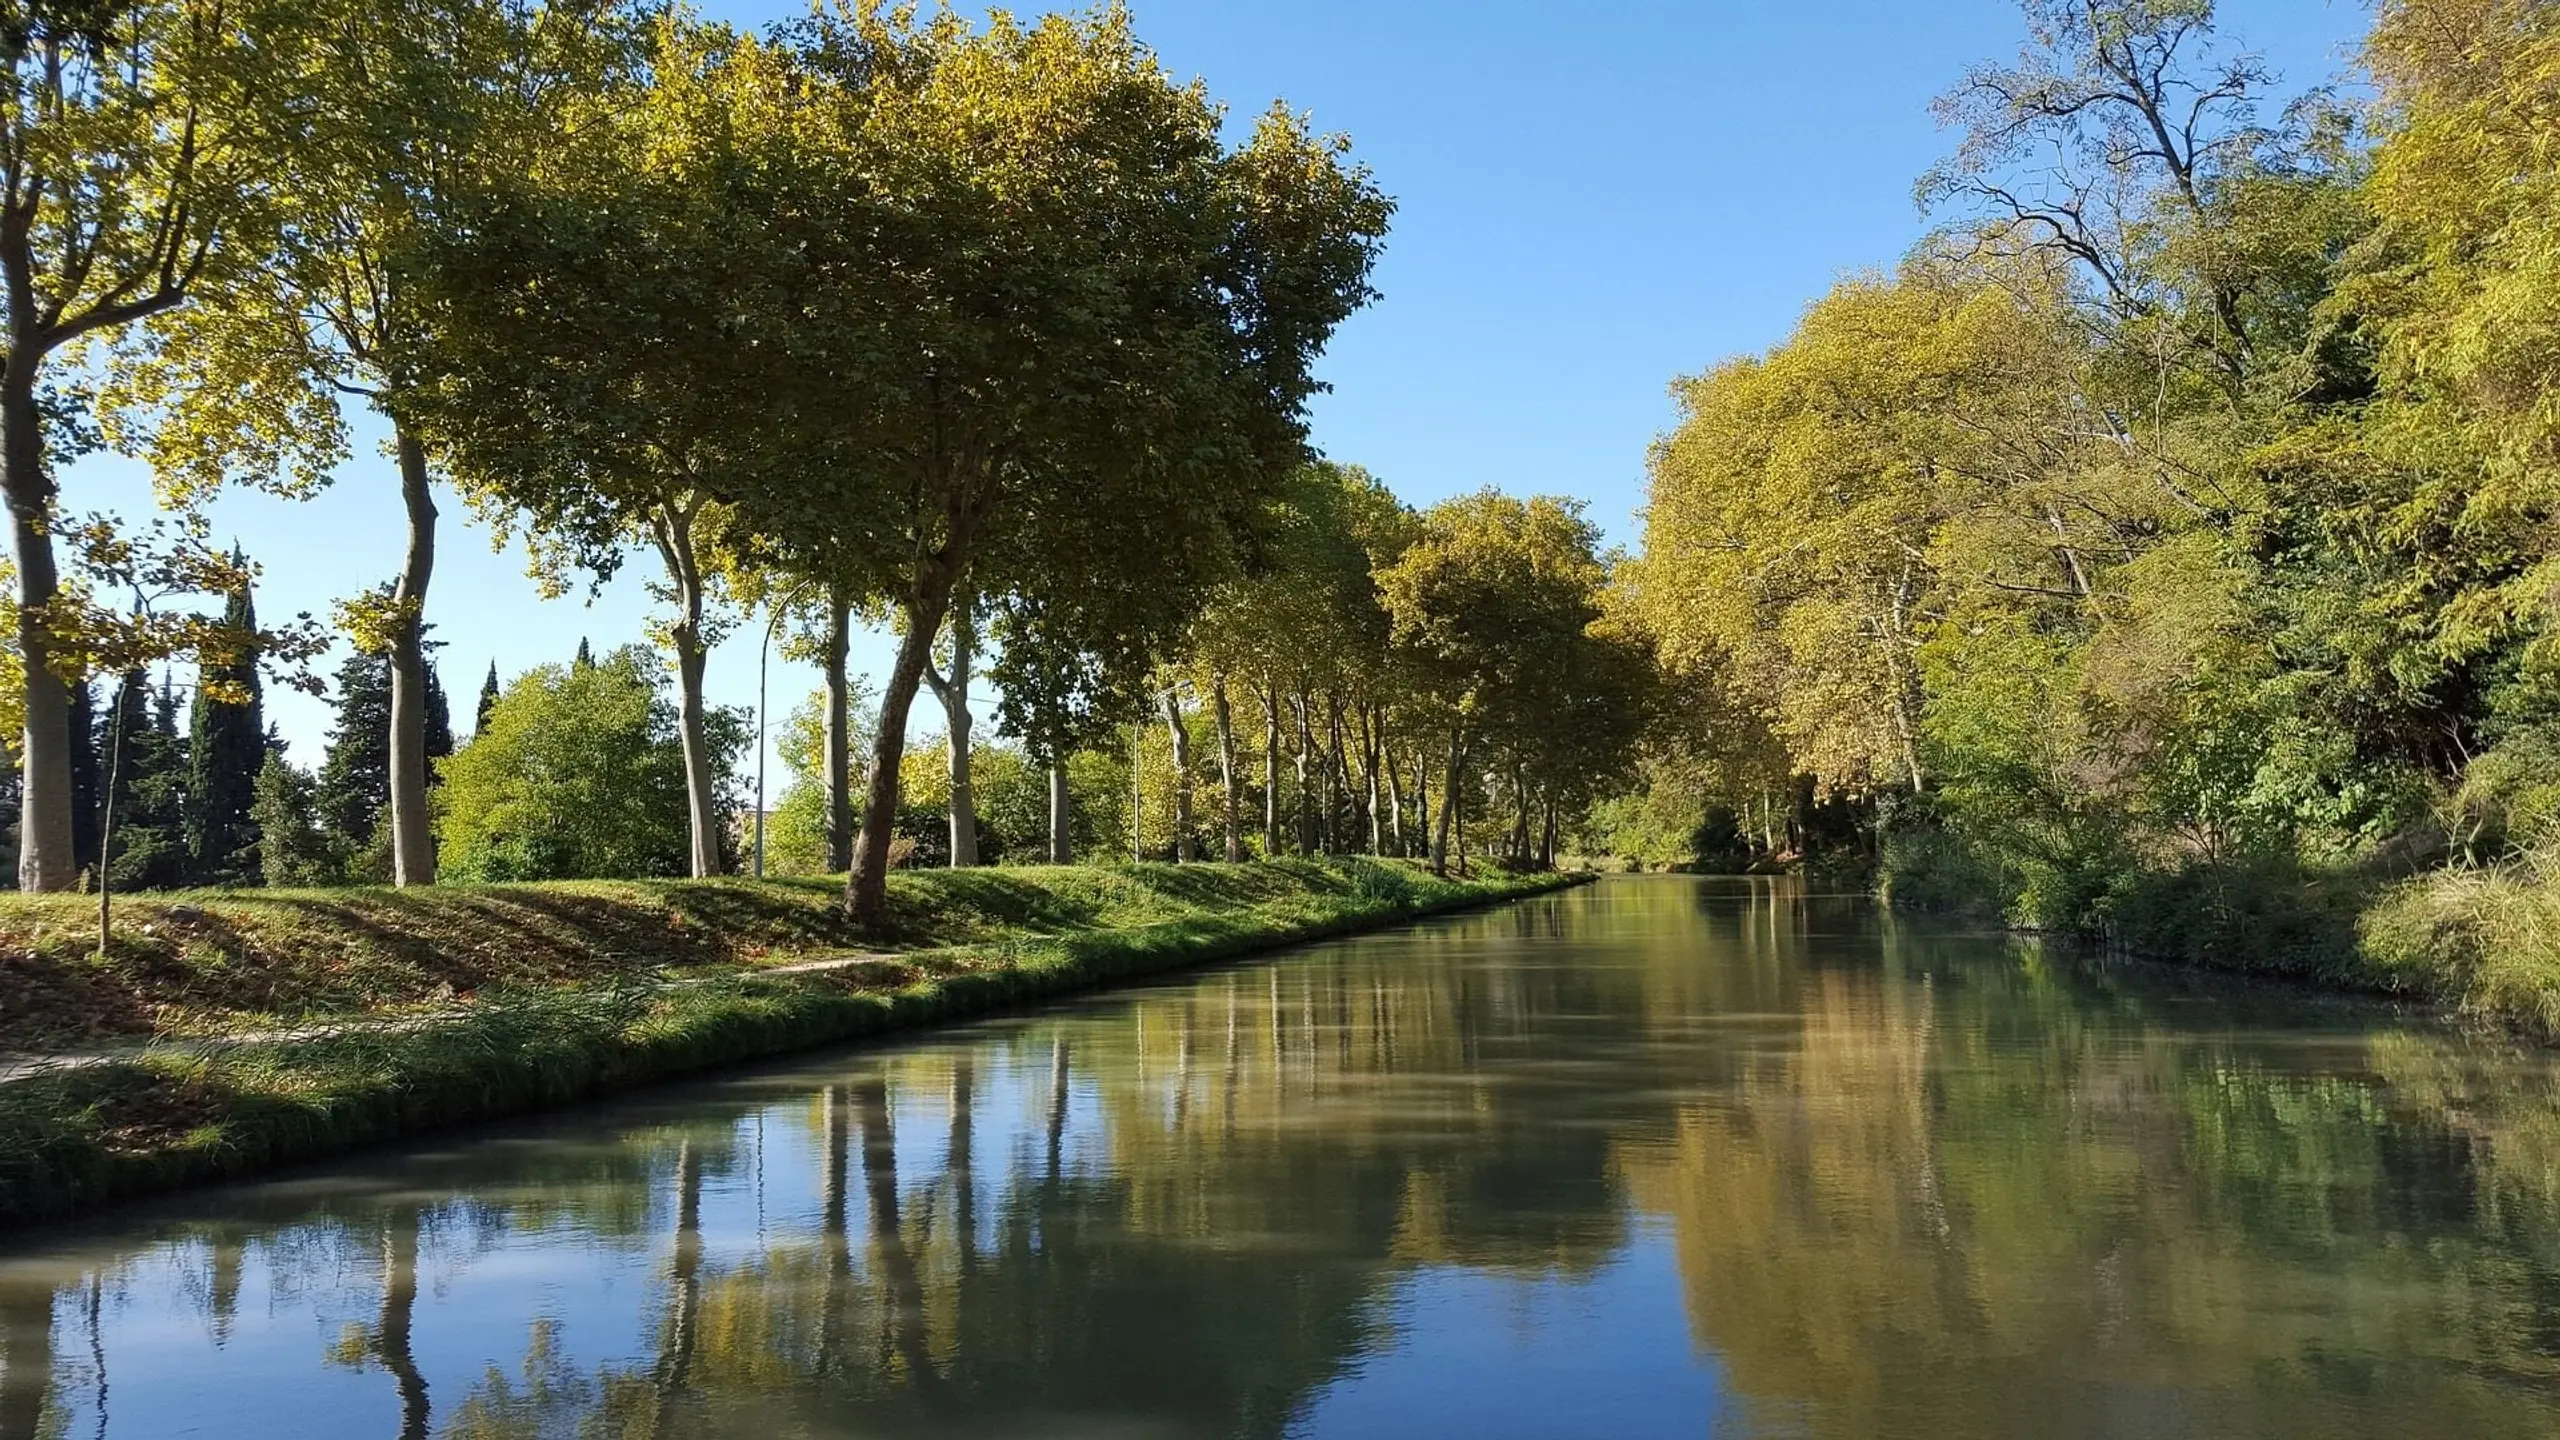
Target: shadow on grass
[953,907]
[180,1113]
[291,954]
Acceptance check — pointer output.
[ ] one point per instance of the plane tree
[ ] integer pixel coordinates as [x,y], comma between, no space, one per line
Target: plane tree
[1300,631]
[1070,330]
[398,106]
[1493,607]
[135,165]
[602,361]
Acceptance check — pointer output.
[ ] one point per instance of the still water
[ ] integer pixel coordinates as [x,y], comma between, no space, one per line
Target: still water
[1657,1157]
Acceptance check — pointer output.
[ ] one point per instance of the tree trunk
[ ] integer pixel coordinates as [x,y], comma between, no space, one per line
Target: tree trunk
[839,731]
[1179,732]
[866,885]
[1395,790]
[1547,846]
[45,858]
[673,530]
[1230,785]
[1329,831]
[413,848]
[1137,791]
[1270,767]
[701,792]
[1307,832]
[1422,797]
[1347,787]
[1907,690]
[1335,785]
[1062,845]
[1377,821]
[963,737]
[1448,805]
[1455,804]
[117,741]
[1519,818]
[953,692]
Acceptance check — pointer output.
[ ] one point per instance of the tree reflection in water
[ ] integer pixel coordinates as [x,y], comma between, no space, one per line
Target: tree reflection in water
[1907,1182]
[26,1353]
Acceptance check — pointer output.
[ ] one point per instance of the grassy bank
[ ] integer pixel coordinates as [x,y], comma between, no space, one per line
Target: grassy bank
[2480,941]
[502,999]
[2485,940]
[214,961]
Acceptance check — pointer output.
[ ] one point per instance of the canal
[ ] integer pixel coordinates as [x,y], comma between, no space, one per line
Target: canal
[1653,1157]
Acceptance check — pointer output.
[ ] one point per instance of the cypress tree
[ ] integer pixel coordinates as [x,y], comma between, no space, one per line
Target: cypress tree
[586,658]
[148,849]
[488,701]
[355,771]
[439,722]
[226,747]
[292,850]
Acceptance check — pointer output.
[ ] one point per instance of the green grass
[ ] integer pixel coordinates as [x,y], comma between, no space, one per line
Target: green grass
[213,960]
[578,1007]
[2486,941]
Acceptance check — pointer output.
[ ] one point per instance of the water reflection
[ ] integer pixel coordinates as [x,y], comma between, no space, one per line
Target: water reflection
[1657,1157]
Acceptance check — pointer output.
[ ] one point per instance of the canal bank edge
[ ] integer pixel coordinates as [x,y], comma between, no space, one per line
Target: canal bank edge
[2473,944]
[185,1113]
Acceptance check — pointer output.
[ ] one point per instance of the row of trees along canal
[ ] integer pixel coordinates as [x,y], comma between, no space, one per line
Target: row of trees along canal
[970,328]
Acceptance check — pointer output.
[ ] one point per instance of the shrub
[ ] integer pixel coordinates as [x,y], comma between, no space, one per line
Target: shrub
[577,775]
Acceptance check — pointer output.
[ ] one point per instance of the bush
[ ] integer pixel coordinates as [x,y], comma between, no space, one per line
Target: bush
[2264,913]
[578,775]
[2509,800]
[1934,871]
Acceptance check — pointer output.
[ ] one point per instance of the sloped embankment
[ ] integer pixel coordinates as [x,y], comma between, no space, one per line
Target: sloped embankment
[227,1034]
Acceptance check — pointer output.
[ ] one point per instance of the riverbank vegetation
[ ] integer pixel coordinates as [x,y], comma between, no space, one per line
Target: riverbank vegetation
[291,1024]
[216,962]
[2161,553]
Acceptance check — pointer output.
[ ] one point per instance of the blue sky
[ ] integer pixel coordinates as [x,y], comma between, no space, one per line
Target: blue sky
[1593,199]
